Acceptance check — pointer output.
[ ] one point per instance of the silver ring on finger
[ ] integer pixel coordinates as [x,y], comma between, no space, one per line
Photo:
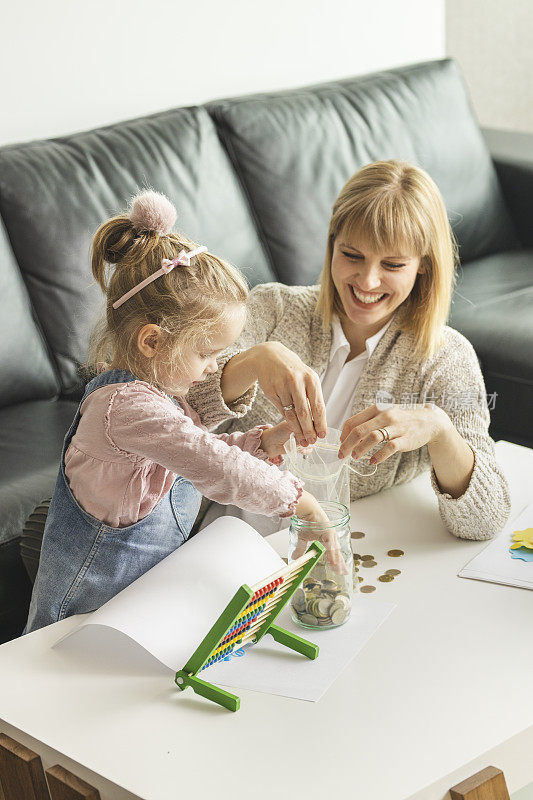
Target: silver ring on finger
[289,407]
[385,434]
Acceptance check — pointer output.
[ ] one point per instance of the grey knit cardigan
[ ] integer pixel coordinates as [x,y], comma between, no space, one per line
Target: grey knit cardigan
[451,379]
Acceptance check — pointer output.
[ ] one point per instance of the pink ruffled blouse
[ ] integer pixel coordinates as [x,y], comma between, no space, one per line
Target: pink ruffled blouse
[133,440]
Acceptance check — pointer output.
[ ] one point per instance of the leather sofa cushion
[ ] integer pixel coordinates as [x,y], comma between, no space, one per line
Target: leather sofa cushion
[492,308]
[54,194]
[30,449]
[27,372]
[294,151]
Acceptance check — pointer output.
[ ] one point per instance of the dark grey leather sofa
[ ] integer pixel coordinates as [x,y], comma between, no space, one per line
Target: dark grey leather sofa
[254,178]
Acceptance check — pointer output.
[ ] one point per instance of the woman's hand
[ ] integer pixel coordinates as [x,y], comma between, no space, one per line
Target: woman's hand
[452,457]
[286,381]
[290,385]
[407,429]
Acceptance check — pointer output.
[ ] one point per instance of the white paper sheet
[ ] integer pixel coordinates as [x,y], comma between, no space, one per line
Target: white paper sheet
[494,563]
[272,668]
[166,613]
[171,608]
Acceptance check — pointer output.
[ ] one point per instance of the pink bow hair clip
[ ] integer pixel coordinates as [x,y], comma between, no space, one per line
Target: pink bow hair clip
[183,259]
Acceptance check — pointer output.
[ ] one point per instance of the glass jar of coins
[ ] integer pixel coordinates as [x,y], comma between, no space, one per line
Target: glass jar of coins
[324,600]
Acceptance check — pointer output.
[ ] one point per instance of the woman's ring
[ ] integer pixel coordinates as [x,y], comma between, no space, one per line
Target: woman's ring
[288,408]
[385,434]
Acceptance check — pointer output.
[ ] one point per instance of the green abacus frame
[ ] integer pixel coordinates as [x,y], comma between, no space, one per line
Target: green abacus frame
[297,571]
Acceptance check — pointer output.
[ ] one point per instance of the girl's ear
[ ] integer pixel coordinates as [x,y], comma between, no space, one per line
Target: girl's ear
[148,340]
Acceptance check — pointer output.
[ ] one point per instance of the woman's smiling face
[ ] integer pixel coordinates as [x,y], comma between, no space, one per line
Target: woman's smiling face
[371,285]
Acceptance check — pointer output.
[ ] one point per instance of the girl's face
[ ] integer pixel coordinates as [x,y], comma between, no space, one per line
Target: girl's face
[200,360]
[371,285]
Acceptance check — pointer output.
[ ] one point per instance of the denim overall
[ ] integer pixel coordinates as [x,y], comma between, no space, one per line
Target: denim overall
[85,562]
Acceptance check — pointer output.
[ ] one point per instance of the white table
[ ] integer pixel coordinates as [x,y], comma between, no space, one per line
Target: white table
[440,691]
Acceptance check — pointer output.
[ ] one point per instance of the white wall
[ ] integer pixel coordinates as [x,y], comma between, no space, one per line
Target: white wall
[493,42]
[68,65]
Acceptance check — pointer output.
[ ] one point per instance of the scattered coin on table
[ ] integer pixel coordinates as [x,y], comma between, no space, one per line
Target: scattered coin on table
[367,589]
[395,553]
[369,563]
[357,555]
[367,558]
[393,572]
[357,535]
[386,578]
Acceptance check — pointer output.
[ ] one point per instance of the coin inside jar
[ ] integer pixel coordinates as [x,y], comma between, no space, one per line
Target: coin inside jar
[357,535]
[322,602]
[395,553]
[367,589]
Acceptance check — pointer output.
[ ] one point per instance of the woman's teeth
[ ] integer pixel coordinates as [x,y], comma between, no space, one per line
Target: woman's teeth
[366,298]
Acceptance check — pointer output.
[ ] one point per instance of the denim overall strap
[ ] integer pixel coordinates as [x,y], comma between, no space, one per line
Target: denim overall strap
[84,562]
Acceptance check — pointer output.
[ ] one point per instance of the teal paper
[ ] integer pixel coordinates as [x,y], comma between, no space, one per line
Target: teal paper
[523,553]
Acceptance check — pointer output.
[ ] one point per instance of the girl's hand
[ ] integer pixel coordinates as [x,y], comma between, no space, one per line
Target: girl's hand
[310,510]
[287,381]
[408,429]
[273,439]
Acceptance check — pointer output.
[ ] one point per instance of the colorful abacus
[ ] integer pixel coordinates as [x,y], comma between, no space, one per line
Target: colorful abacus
[243,623]
[249,615]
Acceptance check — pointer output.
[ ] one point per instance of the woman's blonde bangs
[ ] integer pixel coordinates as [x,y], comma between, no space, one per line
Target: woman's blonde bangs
[386,224]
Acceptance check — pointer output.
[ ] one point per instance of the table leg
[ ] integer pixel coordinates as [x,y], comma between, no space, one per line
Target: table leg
[488,784]
[66,786]
[21,772]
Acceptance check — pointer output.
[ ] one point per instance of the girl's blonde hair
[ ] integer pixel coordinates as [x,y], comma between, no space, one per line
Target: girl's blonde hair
[394,205]
[187,303]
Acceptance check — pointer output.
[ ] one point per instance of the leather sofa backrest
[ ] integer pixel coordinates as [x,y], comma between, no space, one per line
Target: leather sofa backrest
[26,371]
[55,193]
[262,199]
[294,151]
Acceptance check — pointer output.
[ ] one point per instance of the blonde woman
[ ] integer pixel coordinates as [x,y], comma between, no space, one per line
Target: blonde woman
[368,351]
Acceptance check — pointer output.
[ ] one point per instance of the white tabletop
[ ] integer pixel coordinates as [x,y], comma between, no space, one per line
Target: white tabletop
[441,690]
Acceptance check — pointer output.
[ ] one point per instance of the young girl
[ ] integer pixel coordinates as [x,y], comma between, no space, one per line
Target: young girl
[137,458]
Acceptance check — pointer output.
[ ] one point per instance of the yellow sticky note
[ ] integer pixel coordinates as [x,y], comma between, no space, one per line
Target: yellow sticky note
[525,536]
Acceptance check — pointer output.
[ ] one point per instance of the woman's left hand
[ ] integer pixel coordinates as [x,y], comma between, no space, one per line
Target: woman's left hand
[407,428]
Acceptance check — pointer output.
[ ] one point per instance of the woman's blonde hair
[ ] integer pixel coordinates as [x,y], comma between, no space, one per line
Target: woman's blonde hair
[187,303]
[394,205]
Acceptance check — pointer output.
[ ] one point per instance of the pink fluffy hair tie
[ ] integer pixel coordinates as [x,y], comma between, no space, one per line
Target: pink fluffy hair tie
[152,211]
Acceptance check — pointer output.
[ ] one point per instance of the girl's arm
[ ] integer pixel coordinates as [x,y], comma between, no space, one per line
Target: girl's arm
[143,424]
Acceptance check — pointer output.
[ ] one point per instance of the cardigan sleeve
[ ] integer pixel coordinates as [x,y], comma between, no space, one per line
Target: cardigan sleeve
[455,383]
[264,307]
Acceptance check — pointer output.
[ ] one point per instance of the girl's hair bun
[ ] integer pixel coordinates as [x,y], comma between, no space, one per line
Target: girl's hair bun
[152,211]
